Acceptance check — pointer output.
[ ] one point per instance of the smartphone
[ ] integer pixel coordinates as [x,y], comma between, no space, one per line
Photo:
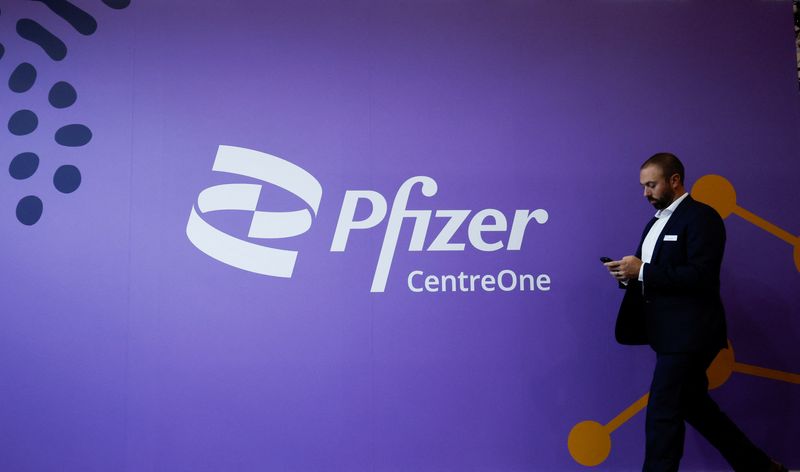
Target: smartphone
[605,259]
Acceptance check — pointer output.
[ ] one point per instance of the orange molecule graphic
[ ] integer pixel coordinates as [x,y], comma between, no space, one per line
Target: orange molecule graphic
[718,192]
[721,369]
[589,443]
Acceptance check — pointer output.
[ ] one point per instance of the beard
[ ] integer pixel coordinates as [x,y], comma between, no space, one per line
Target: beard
[664,201]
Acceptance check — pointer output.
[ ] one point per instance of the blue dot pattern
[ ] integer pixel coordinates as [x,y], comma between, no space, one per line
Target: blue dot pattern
[67,178]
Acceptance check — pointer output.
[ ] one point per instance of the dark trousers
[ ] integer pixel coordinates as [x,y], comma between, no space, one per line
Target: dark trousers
[679,393]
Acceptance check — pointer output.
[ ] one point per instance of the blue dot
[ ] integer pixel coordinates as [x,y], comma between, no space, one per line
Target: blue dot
[2,50]
[73,135]
[117,4]
[62,95]
[67,179]
[23,165]
[23,122]
[36,33]
[29,210]
[23,78]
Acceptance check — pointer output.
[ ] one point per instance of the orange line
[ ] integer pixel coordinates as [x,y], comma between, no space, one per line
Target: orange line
[627,414]
[767,373]
[766,226]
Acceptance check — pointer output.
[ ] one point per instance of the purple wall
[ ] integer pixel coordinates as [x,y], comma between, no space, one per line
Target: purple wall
[124,347]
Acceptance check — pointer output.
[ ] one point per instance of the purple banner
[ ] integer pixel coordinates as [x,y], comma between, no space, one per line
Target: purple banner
[353,235]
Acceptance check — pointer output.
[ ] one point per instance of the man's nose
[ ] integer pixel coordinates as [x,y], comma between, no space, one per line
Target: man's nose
[646,192]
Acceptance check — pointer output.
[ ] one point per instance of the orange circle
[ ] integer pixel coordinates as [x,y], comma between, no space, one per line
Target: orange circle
[721,369]
[589,443]
[716,191]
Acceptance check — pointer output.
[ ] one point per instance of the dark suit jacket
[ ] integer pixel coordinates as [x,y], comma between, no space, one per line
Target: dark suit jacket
[680,309]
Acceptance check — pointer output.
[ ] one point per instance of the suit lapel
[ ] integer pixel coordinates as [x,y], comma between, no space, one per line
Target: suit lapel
[674,220]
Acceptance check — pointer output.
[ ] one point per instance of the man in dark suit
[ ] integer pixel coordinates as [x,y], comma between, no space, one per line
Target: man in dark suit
[672,302]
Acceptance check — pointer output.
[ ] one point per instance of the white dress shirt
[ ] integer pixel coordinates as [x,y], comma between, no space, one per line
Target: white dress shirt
[649,243]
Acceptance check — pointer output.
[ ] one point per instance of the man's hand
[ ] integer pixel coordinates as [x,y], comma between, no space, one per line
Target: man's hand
[625,269]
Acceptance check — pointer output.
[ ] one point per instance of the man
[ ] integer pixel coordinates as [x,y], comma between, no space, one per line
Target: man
[672,303]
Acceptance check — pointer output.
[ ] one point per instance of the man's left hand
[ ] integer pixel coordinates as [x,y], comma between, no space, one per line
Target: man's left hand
[626,268]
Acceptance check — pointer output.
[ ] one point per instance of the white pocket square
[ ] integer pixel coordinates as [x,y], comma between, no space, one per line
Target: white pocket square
[670,237]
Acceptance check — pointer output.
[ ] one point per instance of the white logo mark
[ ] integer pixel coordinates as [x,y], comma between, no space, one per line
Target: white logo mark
[264,225]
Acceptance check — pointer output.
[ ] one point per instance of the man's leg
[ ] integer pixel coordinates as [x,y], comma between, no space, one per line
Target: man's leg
[664,427]
[703,413]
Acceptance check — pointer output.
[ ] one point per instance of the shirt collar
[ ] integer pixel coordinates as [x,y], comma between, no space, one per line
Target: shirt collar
[671,209]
